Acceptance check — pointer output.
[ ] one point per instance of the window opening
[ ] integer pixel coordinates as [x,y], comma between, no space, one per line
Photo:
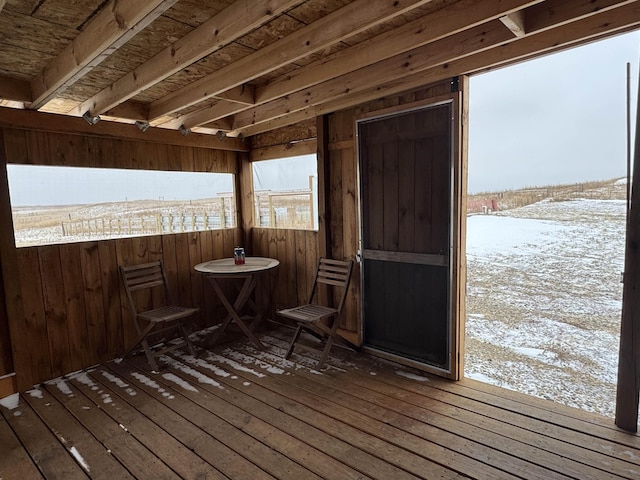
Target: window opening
[69,204]
[286,192]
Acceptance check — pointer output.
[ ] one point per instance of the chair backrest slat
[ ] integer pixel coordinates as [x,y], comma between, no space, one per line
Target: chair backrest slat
[143,276]
[335,273]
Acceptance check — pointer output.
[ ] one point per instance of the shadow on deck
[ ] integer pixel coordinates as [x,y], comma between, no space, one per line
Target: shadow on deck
[242,413]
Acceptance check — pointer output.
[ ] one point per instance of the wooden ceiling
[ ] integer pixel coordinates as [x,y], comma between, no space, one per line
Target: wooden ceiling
[249,66]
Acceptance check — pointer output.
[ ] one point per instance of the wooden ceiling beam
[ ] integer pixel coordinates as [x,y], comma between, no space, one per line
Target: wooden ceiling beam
[282,121]
[434,26]
[441,51]
[591,28]
[51,122]
[215,112]
[231,23]
[432,54]
[349,20]
[14,89]
[111,28]
[554,13]
[515,22]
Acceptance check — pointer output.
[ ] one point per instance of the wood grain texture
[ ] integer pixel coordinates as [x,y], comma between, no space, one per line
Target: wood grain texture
[237,412]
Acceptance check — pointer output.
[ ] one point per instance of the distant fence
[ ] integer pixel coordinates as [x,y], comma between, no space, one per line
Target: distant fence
[285,209]
[133,225]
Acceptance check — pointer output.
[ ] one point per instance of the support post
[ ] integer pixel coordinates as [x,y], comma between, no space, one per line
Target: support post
[245,201]
[324,190]
[628,390]
[12,290]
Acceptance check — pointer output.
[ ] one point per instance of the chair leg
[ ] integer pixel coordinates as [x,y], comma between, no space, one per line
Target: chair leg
[183,331]
[150,358]
[293,342]
[329,342]
[142,334]
[325,352]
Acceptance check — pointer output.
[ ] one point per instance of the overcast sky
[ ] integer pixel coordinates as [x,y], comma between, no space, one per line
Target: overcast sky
[37,185]
[558,119]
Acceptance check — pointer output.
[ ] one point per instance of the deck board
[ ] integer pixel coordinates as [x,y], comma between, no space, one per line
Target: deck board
[242,413]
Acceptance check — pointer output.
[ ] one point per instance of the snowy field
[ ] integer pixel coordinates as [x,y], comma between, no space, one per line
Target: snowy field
[544,300]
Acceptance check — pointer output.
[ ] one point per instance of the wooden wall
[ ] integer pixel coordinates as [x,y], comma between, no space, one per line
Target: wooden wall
[75,313]
[297,251]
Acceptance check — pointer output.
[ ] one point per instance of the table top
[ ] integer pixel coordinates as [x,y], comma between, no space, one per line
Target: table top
[227,266]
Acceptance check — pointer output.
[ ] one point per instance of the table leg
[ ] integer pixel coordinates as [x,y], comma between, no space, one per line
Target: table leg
[247,287]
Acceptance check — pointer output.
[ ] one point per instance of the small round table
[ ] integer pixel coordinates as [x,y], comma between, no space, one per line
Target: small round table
[226,268]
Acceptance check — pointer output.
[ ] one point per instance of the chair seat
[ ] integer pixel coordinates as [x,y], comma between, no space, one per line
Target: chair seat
[308,313]
[167,313]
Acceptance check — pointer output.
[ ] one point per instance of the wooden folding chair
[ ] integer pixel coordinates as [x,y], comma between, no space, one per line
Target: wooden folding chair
[321,320]
[150,276]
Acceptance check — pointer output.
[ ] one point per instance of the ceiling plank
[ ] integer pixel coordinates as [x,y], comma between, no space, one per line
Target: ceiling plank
[328,30]
[434,26]
[282,121]
[111,28]
[14,89]
[441,51]
[515,22]
[203,116]
[51,122]
[231,23]
[591,28]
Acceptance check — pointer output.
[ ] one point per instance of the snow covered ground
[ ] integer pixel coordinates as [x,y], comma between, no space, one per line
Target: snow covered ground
[544,300]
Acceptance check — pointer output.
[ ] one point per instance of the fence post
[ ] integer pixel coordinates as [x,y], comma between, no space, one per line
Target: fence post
[223,214]
[272,214]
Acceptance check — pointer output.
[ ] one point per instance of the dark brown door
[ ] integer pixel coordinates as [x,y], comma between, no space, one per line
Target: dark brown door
[406,180]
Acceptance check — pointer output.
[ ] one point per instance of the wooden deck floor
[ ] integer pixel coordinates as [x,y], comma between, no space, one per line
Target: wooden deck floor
[242,413]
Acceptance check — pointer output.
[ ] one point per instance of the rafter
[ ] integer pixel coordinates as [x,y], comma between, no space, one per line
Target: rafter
[231,23]
[114,25]
[328,30]
[591,28]
[515,22]
[441,51]
[434,26]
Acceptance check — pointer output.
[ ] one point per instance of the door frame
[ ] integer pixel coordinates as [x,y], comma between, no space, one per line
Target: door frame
[457,247]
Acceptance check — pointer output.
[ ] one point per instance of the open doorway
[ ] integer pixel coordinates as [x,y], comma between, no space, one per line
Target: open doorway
[546,223]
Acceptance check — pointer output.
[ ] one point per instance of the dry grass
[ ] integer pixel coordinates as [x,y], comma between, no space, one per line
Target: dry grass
[506,200]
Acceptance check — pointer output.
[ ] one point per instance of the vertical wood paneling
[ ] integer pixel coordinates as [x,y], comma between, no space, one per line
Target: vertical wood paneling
[94,309]
[35,326]
[75,307]
[297,251]
[6,361]
[125,256]
[302,289]
[195,257]
[184,274]
[206,254]
[290,266]
[110,280]
[55,310]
